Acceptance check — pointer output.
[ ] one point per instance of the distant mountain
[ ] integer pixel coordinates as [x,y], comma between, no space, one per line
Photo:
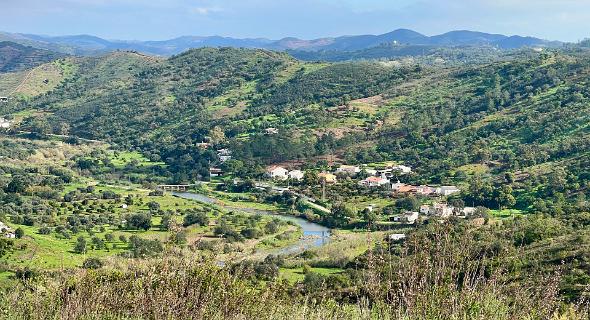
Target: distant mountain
[91,45]
[17,57]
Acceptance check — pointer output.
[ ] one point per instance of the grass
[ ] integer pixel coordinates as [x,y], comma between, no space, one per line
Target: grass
[295,275]
[121,159]
[506,213]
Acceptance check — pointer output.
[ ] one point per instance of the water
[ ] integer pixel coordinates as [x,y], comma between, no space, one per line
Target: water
[314,235]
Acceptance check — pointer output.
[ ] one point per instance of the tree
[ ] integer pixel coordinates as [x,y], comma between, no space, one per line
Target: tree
[18,184]
[504,197]
[153,206]
[408,203]
[19,233]
[143,248]
[217,135]
[129,200]
[80,245]
[166,222]
[139,221]
[92,263]
[340,215]
[109,237]
[370,216]
[98,243]
[201,219]
[5,246]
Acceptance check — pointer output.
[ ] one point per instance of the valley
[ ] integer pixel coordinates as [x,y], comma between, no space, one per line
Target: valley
[303,187]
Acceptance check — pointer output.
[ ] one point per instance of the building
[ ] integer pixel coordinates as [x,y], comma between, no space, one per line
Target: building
[6,231]
[296,175]
[276,172]
[374,182]
[468,211]
[409,217]
[447,190]
[425,190]
[425,209]
[271,131]
[372,172]
[402,169]
[215,172]
[224,155]
[327,177]
[4,124]
[438,209]
[396,237]
[203,145]
[3,99]
[403,188]
[351,170]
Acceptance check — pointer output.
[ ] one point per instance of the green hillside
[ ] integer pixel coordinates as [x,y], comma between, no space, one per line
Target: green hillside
[526,117]
[16,57]
[84,155]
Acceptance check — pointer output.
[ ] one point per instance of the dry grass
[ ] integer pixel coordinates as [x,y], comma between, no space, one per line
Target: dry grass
[436,275]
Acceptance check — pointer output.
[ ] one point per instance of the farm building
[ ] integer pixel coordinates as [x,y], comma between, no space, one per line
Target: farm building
[276,172]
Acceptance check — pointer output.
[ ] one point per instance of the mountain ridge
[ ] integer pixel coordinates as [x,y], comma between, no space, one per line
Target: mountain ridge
[92,45]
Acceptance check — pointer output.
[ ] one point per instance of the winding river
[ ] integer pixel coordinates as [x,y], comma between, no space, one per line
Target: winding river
[314,235]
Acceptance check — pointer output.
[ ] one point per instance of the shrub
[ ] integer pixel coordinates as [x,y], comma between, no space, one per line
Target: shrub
[92,263]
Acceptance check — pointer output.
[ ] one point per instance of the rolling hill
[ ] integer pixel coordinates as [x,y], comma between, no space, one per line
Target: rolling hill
[91,45]
[526,116]
[16,57]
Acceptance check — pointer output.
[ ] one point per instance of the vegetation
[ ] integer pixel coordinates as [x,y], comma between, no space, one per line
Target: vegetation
[93,234]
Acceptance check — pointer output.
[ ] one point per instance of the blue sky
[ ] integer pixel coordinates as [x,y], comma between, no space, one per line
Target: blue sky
[162,19]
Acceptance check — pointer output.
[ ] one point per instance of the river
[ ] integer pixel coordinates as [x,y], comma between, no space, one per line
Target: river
[314,235]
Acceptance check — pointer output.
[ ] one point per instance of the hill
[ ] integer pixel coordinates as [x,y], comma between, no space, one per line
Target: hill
[91,45]
[524,116]
[16,57]
[82,160]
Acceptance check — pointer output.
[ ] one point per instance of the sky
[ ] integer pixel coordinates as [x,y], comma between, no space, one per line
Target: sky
[566,20]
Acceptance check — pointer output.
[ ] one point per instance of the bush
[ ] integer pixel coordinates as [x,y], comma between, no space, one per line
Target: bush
[200,219]
[139,221]
[144,248]
[19,233]
[44,230]
[92,263]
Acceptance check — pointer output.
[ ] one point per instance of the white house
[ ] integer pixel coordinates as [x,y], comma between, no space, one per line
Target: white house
[425,209]
[402,169]
[447,190]
[352,170]
[3,99]
[438,209]
[6,231]
[408,217]
[276,172]
[296,175]
[371,172]
[224,155]
[4,124]
[373,182]
[271,131]
[467,211]
[397,237]
[3,227]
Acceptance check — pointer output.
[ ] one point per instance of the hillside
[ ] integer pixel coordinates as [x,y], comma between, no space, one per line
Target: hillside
[16,57]
[89,160]
[525,116]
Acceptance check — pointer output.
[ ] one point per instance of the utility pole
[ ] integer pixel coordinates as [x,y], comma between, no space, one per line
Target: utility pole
[324,190]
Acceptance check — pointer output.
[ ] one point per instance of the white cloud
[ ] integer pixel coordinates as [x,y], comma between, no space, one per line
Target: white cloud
[206,10]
